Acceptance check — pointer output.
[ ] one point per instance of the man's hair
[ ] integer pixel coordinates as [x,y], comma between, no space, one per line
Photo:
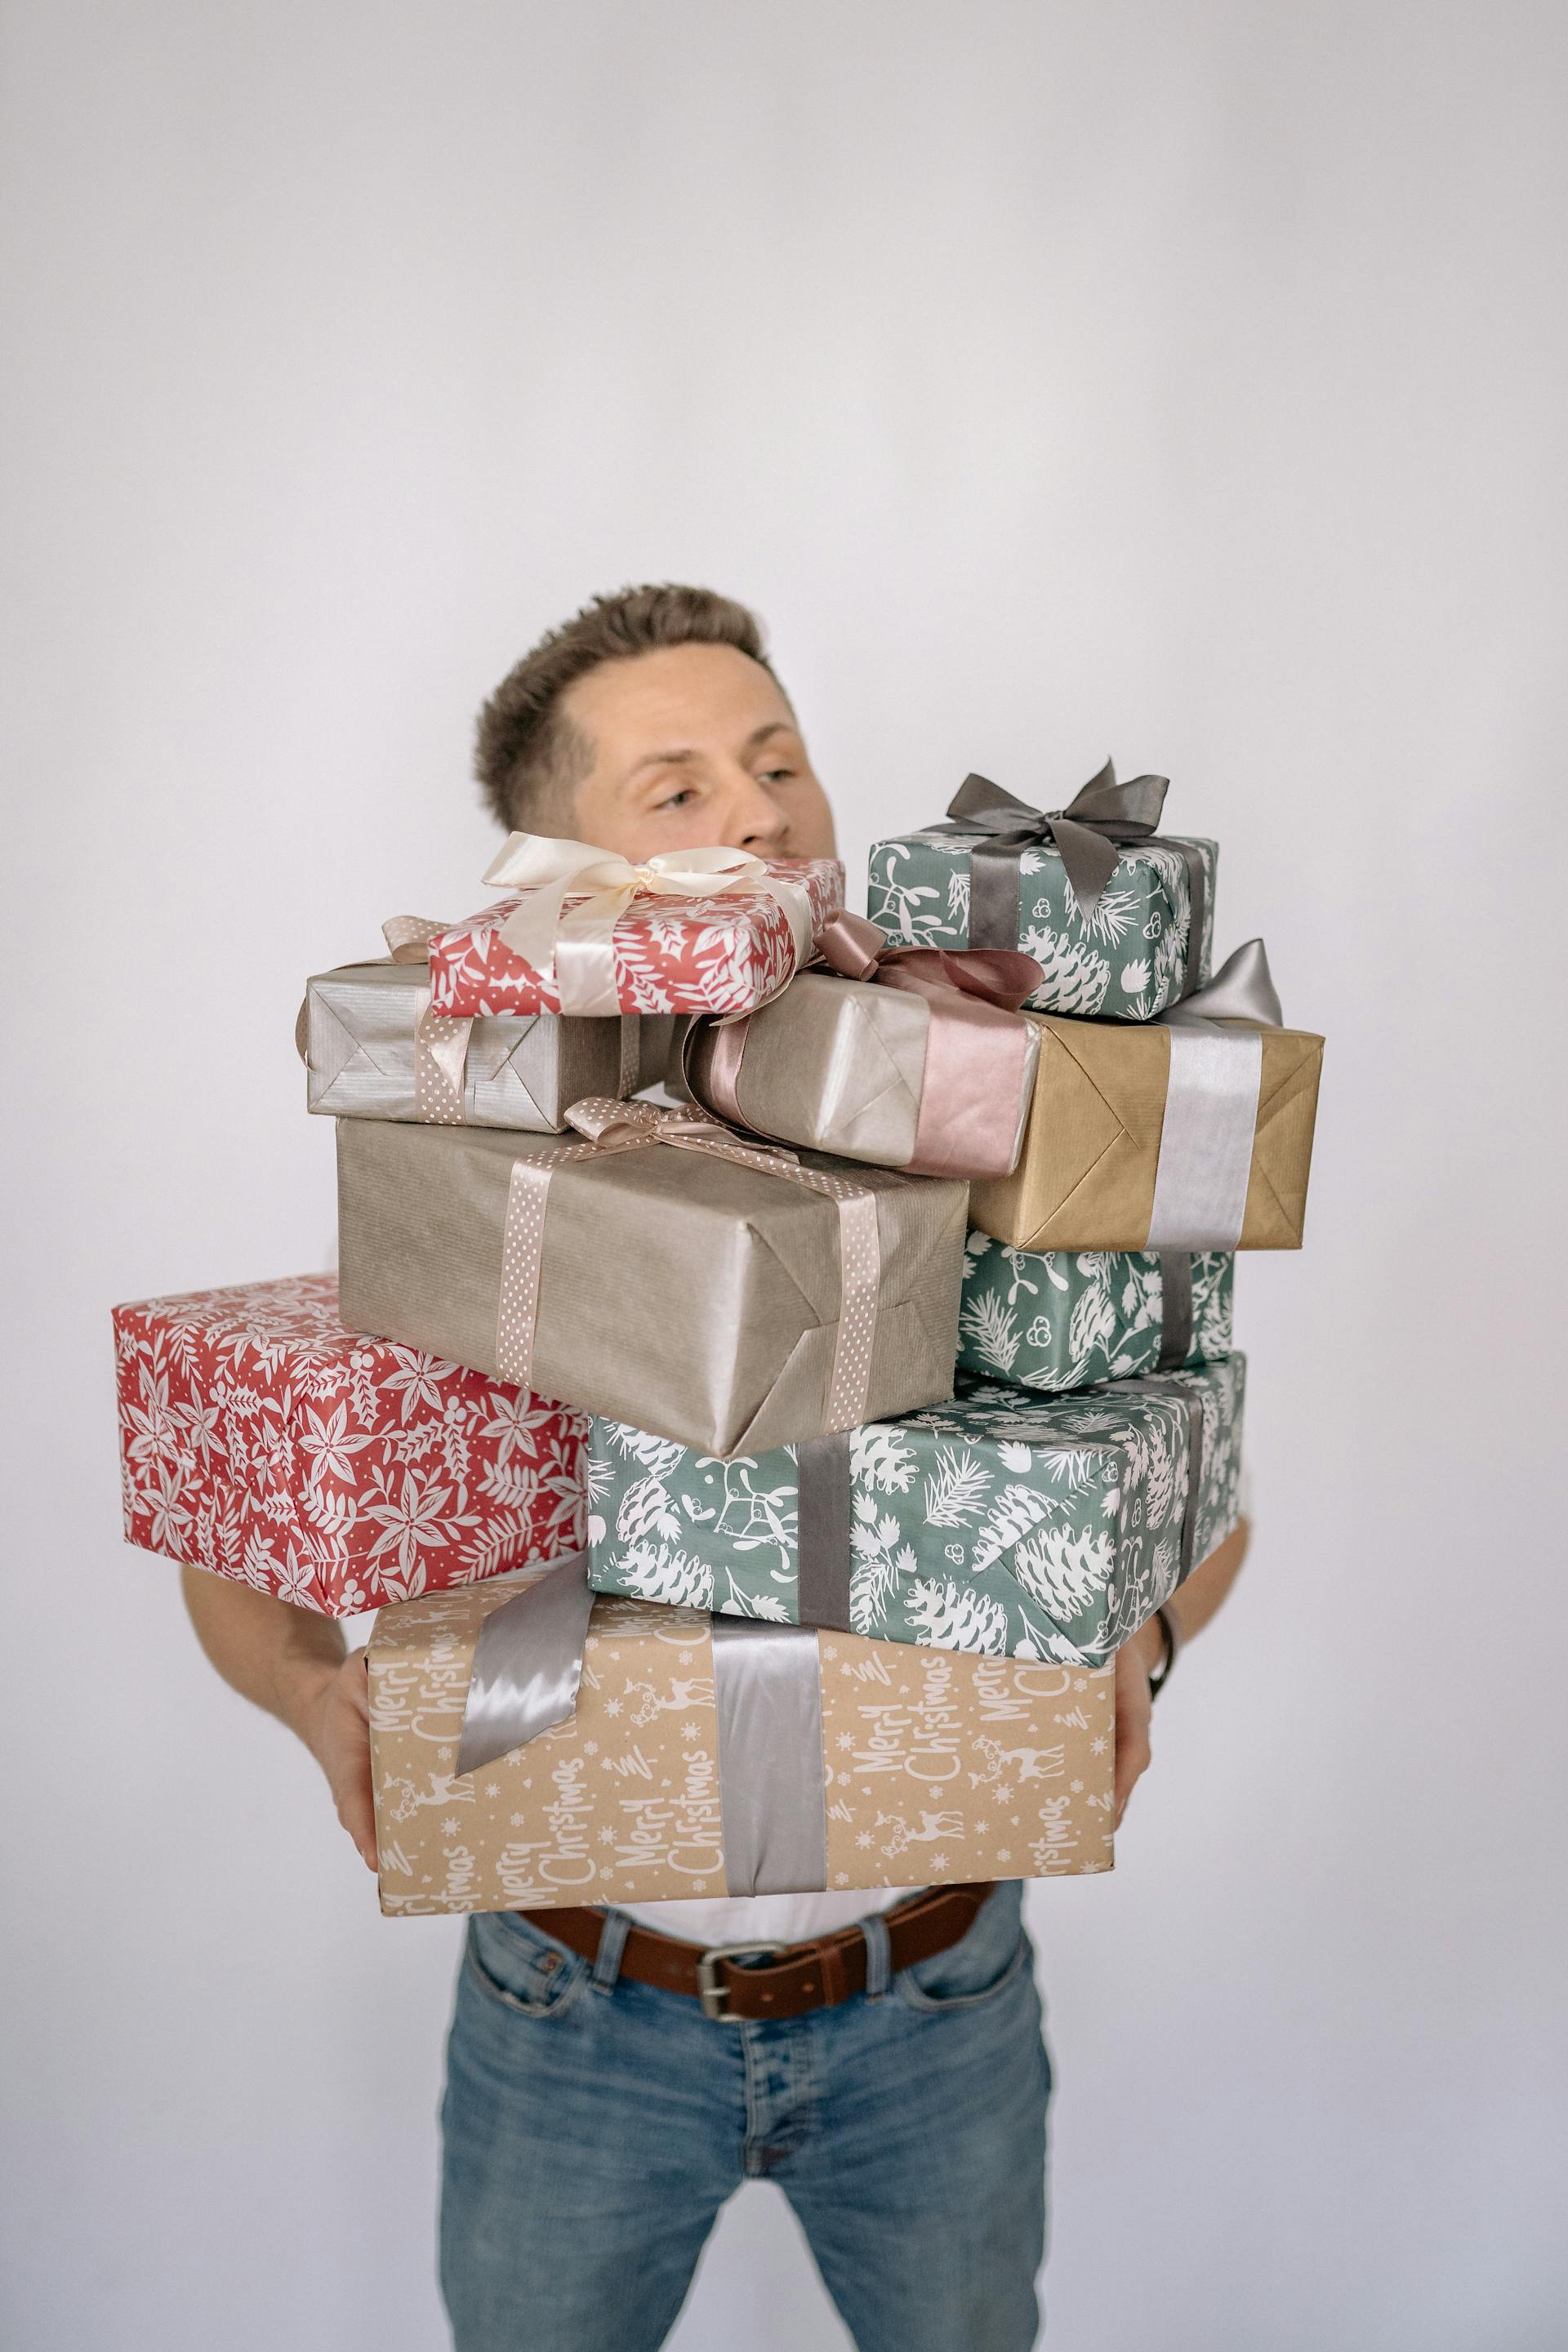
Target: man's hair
[527,756]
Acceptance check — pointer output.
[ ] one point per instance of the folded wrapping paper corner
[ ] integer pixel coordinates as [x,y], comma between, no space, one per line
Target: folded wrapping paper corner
[715,930]
[702,1757]
[264,1441]
[913,1059]
[1118,914]
[1190,1132]
[374,1049]
[1002,1524]
[721,1290]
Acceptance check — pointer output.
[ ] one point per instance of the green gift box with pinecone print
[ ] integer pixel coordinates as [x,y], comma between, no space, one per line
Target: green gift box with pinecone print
[1004,1523]
[1063,1319]
[1126,961]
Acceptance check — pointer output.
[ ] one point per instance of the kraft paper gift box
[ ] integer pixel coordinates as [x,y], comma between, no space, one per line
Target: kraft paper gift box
[694,931]
[716,1290]
[903,1056]
[1063,1319]
[1193,1131]
[706,1758]
[1118,916]
[373,1049]
[1000,1523]
[262,1440]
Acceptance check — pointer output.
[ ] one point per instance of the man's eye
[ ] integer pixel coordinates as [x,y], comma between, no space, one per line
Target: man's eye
[677,799]
[775,776]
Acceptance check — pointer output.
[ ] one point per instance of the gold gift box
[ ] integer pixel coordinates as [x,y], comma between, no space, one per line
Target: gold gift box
[1085,1179]
[936,1768]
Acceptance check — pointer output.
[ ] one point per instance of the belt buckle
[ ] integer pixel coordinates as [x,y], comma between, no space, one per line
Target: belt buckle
[712,1990]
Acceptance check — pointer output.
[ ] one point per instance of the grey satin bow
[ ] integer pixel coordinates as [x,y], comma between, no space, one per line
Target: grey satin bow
[1088,833]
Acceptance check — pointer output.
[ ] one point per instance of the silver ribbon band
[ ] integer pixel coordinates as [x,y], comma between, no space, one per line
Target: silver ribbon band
[528,1664]
[527,1673]
[1205,1143]
[773,1786]
[1211,1106]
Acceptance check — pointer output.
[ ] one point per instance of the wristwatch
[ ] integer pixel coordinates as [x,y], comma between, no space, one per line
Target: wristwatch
[1160,1673]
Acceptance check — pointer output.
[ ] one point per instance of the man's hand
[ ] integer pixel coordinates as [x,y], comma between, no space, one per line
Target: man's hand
[1135,1662]
[336,1729]
[291,1662]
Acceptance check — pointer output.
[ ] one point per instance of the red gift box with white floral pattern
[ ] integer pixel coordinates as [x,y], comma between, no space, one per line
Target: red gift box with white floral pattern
[725,953]
[263,1441]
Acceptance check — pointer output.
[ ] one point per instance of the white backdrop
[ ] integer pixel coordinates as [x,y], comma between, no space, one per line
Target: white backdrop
[1183,381]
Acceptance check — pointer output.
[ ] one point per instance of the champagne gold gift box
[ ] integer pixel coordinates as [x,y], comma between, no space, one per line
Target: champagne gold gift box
[1092,1150]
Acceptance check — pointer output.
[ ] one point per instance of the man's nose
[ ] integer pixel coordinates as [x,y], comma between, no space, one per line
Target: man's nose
[756,821]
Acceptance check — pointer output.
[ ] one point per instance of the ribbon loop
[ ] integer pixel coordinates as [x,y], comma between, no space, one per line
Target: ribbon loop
[855,947]
[1241,990]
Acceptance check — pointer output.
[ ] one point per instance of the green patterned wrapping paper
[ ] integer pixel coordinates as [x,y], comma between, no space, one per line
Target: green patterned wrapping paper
[1062,1319]
[1123,962]
[1003,1523]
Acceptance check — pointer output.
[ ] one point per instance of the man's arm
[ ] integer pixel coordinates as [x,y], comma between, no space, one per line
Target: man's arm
[1189,1609]
[291,1662]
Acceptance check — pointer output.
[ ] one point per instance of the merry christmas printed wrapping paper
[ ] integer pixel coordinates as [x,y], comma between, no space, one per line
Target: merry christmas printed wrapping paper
[1003,1523]
[1064,1319]
[724,954]
[261,1440]
[372,1050]
[1124,960]
[920,1767]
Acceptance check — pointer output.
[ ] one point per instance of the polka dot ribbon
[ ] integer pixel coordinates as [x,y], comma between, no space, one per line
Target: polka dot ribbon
[610,1127]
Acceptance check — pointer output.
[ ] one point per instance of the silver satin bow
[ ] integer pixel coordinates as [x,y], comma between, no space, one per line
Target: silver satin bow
[1212,1092]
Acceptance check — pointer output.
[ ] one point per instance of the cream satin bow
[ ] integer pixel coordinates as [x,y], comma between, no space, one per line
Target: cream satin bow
[546,872]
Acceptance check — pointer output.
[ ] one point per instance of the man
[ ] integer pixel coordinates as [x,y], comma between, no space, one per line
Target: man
[594,2122]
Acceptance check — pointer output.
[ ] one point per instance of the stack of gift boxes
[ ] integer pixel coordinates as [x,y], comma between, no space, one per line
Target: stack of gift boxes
[754,1483]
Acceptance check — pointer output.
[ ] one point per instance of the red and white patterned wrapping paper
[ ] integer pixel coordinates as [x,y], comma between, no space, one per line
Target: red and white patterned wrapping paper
[726,953]
[260,1439]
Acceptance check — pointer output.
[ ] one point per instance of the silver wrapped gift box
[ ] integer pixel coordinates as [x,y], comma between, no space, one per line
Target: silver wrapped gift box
[373,1049]
[664,1272]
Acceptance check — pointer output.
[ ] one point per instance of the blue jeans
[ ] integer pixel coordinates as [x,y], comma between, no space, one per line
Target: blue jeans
[595,2126]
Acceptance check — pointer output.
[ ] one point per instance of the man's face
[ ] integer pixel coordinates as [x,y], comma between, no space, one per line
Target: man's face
[693,746]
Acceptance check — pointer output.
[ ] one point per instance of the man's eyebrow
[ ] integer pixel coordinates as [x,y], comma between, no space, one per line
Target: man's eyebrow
[760,734]
[660,759]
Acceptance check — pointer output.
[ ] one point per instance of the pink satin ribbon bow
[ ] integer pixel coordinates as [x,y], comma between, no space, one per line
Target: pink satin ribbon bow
[854,947]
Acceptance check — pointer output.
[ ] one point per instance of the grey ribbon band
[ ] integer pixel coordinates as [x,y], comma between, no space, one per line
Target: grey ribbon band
[773,1785]
[822,1544]
[528,1664]
[1192,1400]
[1176,1310]
[1210,1123]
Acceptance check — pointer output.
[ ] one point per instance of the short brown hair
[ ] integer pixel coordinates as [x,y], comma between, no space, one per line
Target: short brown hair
[527,758]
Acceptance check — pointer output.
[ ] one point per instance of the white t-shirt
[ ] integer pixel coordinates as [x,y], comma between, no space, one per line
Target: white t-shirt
[766,1919]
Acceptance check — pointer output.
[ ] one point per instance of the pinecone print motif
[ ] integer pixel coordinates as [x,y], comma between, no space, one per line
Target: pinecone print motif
[1000,1523]
[1075,978]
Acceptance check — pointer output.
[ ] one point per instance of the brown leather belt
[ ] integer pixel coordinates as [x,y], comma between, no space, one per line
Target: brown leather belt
[798,1977]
